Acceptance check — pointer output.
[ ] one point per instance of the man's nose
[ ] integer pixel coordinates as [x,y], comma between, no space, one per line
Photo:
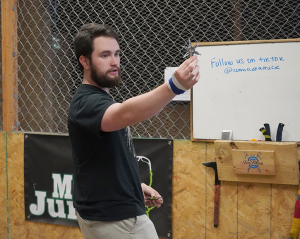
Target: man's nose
[114,61]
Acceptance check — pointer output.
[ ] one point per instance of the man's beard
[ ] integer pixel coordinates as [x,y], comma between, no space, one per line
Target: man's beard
[103,80]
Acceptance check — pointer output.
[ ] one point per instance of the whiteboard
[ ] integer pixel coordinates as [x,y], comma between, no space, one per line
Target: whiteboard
[244,86]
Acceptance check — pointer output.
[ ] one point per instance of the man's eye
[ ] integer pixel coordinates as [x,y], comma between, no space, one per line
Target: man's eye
[104,56]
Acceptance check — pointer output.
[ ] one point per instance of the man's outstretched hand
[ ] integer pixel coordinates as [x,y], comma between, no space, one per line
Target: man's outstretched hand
[187,74]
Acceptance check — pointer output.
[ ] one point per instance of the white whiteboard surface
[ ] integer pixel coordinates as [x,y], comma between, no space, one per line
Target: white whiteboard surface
[264,87]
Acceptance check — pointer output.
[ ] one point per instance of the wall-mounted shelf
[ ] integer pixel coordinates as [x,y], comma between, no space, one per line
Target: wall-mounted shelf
[255,161]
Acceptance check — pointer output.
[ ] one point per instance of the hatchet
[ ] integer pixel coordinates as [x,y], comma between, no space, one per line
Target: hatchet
[217,189]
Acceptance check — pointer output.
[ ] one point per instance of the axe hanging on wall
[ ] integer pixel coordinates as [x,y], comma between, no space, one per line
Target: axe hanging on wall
[217,192]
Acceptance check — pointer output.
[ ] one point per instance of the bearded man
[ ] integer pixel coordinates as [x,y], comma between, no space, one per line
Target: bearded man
[109,197]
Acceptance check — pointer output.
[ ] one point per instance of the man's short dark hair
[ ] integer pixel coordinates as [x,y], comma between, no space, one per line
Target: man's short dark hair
[83,42]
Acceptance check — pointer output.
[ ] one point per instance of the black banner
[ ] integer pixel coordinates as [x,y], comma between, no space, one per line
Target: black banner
[48,179]
[159,154]
[48,162]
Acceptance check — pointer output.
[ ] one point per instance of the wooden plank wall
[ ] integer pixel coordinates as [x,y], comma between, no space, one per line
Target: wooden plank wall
[3,187]
[9,63]
[247,210]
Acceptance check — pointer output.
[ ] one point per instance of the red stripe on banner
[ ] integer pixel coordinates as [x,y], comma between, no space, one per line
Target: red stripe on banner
[297,210]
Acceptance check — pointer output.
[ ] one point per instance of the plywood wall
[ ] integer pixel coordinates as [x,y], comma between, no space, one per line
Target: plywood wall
[3,187]
[18,227]
[247,210]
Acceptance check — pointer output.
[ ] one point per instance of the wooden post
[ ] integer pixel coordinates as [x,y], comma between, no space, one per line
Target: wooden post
[9,64]
[237,19]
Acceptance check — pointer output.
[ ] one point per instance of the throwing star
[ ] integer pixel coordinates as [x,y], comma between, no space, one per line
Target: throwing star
[190,50]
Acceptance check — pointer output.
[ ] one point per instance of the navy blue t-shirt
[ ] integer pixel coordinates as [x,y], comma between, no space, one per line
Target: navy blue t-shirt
[107,184]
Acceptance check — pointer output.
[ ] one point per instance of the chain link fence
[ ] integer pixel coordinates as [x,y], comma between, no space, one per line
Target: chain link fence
[152,34]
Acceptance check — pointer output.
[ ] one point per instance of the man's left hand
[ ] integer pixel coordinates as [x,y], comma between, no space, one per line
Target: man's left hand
[150,192]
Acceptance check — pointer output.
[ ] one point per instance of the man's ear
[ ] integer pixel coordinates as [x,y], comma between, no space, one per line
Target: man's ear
[85,62]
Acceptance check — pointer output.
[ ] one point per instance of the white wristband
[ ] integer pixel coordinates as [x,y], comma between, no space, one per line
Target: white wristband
[177,84]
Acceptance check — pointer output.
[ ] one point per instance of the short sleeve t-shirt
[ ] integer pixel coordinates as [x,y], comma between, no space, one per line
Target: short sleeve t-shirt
[107,184]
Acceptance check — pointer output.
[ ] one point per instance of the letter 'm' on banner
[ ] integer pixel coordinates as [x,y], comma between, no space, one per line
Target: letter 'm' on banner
[64,187]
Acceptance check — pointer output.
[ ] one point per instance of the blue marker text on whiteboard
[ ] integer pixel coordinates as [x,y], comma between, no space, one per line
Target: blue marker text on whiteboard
[216,63]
